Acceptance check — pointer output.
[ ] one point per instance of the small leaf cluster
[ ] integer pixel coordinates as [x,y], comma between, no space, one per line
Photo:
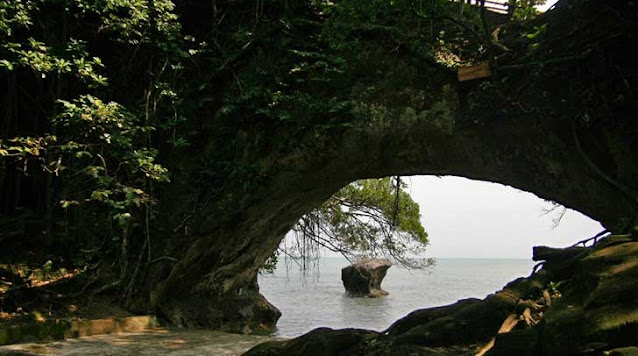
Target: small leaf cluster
[108,147]
[42,60]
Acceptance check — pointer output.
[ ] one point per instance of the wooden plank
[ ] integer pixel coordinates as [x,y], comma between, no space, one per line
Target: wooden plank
[501,3]
[481,70]
[496,6]
[495,9]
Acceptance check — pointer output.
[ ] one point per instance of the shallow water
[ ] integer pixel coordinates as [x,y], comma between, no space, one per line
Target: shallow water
[317,298]
[308,300]
[163,341]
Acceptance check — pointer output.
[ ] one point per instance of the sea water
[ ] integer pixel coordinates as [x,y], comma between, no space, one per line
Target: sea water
[316,297]
[308,300]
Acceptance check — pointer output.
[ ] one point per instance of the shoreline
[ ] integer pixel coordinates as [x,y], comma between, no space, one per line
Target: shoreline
[150,342]
[64,329]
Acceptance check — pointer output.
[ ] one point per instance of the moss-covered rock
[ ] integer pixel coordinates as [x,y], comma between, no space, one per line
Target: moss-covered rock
[599,303]
[625,351]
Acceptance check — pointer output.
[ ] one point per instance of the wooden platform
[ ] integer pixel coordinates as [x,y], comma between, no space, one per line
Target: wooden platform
[476,71]
[505,7]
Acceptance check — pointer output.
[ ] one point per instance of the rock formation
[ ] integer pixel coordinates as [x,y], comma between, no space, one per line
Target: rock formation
[556,120]
[573,144]
[581,305]
[363,279]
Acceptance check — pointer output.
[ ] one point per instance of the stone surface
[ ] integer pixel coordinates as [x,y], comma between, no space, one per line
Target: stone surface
[243,311]
[625,351]
[599,299]
[586,304]
[160,341]
[351,342]
[412,118]
[363,279]
[516,343]
[57,329]
[318,342]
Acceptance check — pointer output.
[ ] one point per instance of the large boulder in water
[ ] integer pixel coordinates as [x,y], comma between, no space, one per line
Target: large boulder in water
[363,279]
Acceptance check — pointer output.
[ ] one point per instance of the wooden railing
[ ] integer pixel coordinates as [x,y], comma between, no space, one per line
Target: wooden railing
[505,7]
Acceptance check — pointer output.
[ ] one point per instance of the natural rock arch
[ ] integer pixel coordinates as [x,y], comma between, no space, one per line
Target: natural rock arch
[530,157]
[556,118]
[453,129]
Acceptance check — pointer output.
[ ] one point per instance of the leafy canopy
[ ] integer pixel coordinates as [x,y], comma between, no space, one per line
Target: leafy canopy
[367,218]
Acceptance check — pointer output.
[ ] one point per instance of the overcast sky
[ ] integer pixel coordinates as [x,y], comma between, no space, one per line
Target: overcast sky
[547,5]
[467,218]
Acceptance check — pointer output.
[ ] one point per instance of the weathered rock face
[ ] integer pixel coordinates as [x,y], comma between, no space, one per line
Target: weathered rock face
[243,311]
[318,342]
[625,351]
[363,279]
[584,304]
[424,122]
[598,307]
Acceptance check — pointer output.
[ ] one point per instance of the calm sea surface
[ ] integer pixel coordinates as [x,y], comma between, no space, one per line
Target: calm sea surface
[316,298]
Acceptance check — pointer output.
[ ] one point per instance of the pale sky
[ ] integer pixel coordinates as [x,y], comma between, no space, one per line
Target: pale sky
[547,5]
[467,218]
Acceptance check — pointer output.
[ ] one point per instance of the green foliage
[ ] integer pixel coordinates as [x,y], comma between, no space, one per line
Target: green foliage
[270,265]
[14,15]
[117,178]
[366,219]
[131,19]
[42,59]
[292,83]
[99,151]
[525,9]
[282,81]
[554,289]
[102,147]
[107,91]
[25,147]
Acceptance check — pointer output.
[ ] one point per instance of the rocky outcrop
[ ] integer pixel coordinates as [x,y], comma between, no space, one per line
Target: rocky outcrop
[244,311]
[583,304]
[625,351]
[229,205]
[363,279]
[597,308]
[318,342]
